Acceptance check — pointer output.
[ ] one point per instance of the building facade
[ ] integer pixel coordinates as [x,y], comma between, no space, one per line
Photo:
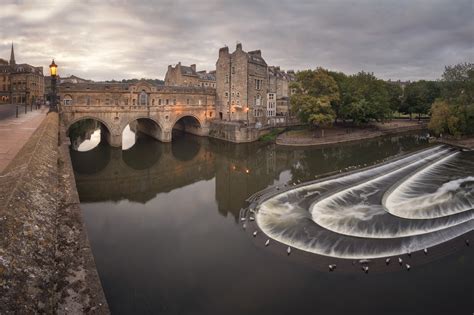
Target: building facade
[180,75]
[241,86]
[279,84]
[20,83]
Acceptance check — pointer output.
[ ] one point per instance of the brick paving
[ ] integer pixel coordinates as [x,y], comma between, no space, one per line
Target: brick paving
[15,132]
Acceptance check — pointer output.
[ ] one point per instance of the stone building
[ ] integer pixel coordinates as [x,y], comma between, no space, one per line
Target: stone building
[242,85]
[20,83]
[188,76]
[279,90]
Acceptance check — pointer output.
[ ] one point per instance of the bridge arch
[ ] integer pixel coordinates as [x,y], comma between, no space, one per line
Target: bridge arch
[78,132]
[189,123]
[146,125]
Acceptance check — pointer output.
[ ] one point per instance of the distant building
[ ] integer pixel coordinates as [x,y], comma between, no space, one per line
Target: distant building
[20,83]
[188,76]
[73,79]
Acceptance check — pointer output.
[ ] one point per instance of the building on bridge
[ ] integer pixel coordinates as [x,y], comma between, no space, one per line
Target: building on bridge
[158,109]
[20,83]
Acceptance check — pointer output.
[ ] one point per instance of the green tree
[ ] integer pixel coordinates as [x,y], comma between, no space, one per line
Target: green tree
[366,99]
[315,91]
[419,96]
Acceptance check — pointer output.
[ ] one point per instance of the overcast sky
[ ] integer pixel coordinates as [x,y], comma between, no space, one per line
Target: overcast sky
[397,39]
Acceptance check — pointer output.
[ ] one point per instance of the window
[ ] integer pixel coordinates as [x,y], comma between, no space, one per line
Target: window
[159,101]
[226,94]
[174,101]
[233,69]
[153,102]
[187,101]
[167,102]
[226,78]
[67,100]
[258,100]
[88,101]
[238,94]
[134,102]
[200,102]
[143,98]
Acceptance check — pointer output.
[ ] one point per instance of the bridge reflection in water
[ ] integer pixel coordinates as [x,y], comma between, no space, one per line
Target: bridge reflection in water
[164,220]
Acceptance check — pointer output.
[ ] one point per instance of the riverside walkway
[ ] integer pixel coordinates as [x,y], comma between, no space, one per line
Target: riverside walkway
[15,132]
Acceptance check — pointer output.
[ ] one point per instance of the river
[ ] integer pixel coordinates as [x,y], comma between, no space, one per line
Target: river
[165,224]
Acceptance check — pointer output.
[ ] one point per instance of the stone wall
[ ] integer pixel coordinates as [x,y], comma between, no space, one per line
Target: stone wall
[46,263]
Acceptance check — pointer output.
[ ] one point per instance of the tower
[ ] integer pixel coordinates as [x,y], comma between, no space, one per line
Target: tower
[12,57]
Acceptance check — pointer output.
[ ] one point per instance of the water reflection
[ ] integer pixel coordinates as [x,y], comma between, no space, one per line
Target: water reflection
[150,167]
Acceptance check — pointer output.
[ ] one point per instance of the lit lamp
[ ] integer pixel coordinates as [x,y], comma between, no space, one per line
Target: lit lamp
[53,70]
[247,111]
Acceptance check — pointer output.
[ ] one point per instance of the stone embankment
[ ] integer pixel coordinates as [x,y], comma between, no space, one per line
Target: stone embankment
[46,263]
[466,143]
[341,135]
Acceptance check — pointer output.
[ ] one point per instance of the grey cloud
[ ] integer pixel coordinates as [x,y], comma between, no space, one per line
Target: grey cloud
[123,39]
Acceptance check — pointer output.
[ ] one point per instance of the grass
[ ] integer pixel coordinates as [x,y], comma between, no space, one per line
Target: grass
[272,135]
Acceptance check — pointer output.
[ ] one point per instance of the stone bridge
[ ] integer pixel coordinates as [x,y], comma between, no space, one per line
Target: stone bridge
[156,109]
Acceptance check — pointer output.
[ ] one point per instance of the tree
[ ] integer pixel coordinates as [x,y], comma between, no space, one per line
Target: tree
[315,90]
[366,99]
[338,105]
[419,96]
[453,113]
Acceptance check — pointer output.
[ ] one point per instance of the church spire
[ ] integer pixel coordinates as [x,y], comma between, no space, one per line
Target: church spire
[12,57]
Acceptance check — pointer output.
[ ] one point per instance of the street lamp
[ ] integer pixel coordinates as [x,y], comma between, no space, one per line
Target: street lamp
[247,111]
[53,70]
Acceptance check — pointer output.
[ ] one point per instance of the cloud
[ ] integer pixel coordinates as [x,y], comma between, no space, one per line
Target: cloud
[124,39]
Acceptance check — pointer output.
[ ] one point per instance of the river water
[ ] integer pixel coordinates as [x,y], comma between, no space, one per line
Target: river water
[166,223]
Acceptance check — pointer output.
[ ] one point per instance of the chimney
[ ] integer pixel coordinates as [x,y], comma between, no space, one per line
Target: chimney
[238,46]
[224,51]
[193,67]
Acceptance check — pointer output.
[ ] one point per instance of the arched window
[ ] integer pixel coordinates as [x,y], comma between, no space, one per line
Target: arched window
[143,98]
[67,100]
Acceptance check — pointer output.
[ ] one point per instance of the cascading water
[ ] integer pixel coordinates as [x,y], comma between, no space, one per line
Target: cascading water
[408,204]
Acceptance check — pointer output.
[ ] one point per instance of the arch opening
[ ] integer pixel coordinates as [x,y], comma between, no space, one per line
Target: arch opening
[188,124]
[139,130]
[88,133]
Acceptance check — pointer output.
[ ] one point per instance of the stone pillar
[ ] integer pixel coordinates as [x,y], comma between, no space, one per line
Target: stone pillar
[113,139]
[166,135]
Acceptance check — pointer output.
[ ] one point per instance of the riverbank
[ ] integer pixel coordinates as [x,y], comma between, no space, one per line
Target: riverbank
[463,143]
[342,134]
[46,263]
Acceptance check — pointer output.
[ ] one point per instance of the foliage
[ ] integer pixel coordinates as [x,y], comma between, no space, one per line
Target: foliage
[454,112]
[315,91]
[419,96]
[272,135]
[366,98]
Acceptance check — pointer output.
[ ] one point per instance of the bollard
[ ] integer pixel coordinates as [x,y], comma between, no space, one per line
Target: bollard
[16,111]
[25,108]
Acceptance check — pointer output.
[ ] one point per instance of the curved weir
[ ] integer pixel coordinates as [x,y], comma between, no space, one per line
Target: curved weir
[405,205]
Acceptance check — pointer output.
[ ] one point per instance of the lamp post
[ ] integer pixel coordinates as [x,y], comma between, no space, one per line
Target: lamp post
[247,111]
[53,68]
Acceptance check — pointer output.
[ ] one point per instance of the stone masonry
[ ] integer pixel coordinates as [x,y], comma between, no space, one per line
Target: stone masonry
[46,263]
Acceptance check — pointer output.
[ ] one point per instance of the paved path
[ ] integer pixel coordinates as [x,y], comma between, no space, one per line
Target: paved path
[14,132]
